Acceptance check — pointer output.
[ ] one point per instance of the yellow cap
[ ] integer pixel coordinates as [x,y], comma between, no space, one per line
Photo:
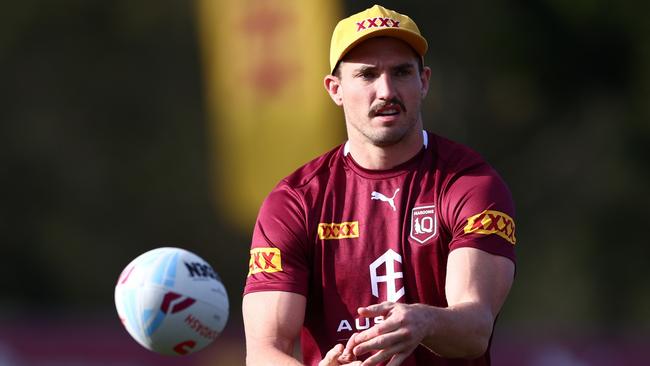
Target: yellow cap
[374,22]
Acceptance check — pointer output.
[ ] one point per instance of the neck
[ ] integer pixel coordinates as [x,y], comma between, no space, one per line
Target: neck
[374,157]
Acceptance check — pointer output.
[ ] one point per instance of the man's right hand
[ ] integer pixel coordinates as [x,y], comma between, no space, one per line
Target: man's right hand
[340,355]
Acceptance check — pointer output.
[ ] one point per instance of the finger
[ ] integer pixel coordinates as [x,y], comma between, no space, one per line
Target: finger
[398,359]
[376,309]
[331,356]
[352,341]
[377,343]
[378,358]
[369,338]
[393,354]
[365,340]
[347,355]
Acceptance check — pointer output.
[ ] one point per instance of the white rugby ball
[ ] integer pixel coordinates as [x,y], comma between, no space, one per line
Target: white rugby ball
[171,301]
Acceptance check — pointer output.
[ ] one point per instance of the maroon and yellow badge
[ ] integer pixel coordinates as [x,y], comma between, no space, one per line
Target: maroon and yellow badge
[267,260]
[492,222]
[343,230]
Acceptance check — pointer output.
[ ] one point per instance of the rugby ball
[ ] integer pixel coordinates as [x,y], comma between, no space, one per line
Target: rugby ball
[171,301]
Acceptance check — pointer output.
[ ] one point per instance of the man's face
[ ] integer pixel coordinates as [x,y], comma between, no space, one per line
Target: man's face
[381,90]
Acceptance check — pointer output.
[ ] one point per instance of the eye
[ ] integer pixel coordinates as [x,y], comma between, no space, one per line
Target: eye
[367,74]
[403,71]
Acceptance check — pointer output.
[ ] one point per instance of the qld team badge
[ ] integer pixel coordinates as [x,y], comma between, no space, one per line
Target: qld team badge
[424,225]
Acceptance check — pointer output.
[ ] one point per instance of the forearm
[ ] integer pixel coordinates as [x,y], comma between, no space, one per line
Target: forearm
[269,355]
[272,322]
[459,331]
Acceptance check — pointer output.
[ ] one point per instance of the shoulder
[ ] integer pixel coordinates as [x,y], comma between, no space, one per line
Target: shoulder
[458,164]
[468,183]
[292,189]
[318,167]
[476,205]
[455,157]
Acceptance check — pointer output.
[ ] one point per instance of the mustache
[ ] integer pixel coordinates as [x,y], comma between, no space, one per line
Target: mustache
[392,101]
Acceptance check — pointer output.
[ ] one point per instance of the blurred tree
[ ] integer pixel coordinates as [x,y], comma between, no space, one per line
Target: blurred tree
[106,152]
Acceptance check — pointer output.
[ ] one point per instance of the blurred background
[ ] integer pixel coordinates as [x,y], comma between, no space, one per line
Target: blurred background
[129,125]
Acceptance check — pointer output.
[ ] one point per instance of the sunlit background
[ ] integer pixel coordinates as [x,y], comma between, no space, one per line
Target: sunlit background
[129,125]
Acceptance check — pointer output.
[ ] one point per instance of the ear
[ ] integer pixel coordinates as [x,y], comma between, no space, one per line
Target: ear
[333,87]
[425,76]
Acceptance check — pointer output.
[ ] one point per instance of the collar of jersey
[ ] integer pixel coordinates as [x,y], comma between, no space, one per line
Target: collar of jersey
[385,173]
[425,143]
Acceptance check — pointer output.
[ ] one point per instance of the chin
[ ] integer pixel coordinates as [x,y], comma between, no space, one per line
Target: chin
[387,137]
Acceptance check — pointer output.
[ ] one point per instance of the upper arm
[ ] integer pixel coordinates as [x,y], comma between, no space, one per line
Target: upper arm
[274,300]
[479,211]
[272,320]
[478,277]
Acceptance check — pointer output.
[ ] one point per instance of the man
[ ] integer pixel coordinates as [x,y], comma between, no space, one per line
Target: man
[394,248]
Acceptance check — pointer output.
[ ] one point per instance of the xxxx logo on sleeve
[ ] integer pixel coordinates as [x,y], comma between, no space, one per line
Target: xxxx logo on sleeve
[341,230]
[492,222]
[267,260]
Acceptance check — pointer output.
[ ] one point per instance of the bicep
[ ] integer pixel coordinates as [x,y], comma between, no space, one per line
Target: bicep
[479,277]
[272,319]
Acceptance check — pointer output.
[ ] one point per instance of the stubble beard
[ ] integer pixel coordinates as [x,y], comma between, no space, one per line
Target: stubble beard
[386,136]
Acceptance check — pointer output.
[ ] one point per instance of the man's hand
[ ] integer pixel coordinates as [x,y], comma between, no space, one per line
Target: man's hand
[395,338]
[340,355]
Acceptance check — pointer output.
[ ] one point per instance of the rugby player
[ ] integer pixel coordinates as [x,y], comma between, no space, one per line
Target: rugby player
[396,247]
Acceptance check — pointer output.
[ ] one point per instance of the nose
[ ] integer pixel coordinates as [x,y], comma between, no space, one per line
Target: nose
[385,87]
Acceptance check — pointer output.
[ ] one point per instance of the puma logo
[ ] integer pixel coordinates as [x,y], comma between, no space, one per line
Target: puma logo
[380,196]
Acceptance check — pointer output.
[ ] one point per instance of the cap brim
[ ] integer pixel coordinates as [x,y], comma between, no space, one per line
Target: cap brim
[416,41]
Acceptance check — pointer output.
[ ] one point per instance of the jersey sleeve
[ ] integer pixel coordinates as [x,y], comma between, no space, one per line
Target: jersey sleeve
[278,255]
[480,213]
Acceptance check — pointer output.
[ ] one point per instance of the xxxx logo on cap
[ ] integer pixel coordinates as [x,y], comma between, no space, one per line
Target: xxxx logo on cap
[374,22]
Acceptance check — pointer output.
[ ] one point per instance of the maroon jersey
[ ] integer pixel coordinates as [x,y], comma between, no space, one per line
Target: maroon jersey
[344,237]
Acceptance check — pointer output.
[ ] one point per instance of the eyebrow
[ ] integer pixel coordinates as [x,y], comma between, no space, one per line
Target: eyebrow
[364,68]
[402,66]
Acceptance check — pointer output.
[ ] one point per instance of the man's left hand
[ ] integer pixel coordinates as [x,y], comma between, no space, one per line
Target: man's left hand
[403,328]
